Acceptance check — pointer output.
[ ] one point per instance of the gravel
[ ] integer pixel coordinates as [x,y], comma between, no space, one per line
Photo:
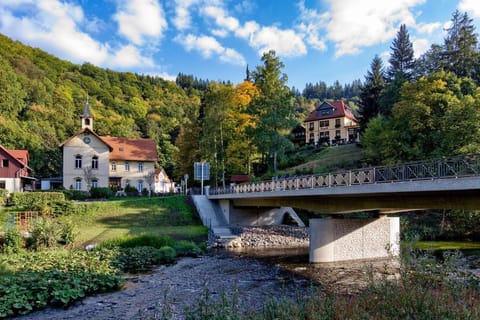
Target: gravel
[176,287]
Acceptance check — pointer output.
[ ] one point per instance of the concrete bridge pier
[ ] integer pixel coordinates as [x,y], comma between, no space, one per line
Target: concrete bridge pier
[333,240]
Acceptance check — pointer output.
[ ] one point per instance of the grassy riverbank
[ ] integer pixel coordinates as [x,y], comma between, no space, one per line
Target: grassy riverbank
[104,220]
[52,268]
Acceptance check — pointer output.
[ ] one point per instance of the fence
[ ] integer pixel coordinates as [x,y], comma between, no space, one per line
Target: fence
[440,168]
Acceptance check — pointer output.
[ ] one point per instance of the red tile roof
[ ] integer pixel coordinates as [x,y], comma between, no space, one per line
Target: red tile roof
[21,155]
[329,110]
[131,149]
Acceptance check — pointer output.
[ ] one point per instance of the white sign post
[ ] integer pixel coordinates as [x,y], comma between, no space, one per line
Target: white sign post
[201,171]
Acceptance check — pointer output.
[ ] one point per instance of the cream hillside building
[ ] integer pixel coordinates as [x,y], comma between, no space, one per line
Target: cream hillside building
[91,161]
[332,123]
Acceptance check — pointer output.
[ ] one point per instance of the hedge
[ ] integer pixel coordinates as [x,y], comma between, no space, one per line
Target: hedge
[35,200]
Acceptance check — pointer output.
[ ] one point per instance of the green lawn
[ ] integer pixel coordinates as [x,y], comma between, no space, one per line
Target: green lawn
[102,220]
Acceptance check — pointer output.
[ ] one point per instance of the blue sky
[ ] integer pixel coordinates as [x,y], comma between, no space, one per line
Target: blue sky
[317,40]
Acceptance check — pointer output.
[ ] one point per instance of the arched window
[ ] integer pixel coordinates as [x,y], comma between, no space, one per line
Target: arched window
[94,162]
[78,184]
[78,162]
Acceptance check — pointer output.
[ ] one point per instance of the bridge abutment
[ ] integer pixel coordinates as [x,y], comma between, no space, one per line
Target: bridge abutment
[257,216]
[333,240]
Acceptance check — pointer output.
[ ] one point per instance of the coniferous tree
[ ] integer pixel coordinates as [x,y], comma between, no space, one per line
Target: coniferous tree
[371,92]
[460,51]
[401,60]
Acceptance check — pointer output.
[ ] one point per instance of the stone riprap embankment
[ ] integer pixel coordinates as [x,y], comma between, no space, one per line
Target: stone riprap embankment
[272,236]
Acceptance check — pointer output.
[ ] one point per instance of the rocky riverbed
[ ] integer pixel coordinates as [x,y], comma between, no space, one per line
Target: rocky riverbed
[254,274]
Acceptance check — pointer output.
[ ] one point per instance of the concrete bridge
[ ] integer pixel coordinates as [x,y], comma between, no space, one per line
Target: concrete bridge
[443,183]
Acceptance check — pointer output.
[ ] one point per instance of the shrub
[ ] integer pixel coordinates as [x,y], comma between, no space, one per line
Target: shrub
[187,249]
[3,196]
[45,233]
[68,233]
[100,193]
[13,241]
[76,194]
[141,258]
[131,191]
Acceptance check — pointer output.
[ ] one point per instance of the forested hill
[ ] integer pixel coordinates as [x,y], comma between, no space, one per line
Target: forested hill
[41,98]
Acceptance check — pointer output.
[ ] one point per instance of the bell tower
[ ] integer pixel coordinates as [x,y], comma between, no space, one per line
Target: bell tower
[87,118]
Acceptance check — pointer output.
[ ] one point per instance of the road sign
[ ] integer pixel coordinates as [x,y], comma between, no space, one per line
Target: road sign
[201,171]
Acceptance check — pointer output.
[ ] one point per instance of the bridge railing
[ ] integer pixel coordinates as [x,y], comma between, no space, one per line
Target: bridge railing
[439,168]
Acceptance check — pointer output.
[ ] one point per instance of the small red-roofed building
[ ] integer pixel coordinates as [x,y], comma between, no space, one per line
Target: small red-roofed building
[91,160]
[332,123]
[14,171]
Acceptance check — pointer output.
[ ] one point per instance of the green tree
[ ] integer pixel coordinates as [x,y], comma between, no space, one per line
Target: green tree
[460,51]
[371,92]
[436,116]
[401,59]
[273,109]
[216,132]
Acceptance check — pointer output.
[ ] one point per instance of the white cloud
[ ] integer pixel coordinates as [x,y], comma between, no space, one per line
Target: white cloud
[55,27]
[138,19]
[221,18]
[428,28]
[129,56]
[248,30]
[470,6]
[311,25]
[182,20]
[420,46]
[284,42]
[208,47]
[355,24]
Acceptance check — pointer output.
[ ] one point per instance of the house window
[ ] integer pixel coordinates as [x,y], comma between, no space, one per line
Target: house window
[3,184]
[140,167]
[140,185]
[4,163]
[94,162]
[127,166]
[78,162]
[337,123]
[323,123]
[114,166]
[337,134]
[94,183]
[311,126]
[78,184]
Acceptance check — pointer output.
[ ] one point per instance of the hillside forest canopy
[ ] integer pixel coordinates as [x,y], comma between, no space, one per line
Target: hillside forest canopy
[409,109]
